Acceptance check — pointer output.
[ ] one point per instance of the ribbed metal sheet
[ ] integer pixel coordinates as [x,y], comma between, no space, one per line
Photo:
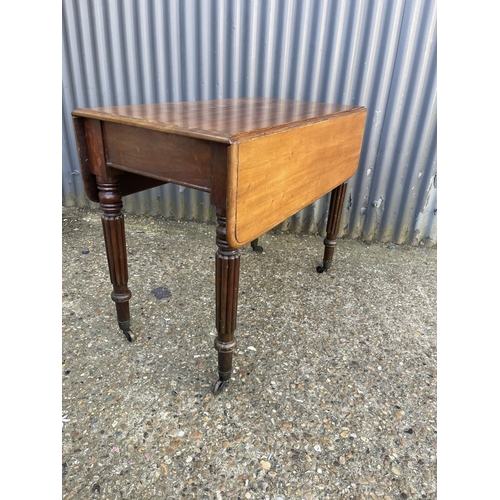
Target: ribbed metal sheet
[380,54]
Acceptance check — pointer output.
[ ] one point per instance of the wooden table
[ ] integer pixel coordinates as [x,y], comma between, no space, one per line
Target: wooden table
[261,160]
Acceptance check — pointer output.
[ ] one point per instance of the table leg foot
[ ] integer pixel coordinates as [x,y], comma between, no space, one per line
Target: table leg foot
[323,268]
[255,246]
[125,328]
[218,386]
[128,335]
[332,226]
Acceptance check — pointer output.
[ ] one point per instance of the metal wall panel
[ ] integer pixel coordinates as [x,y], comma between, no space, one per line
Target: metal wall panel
[376,53]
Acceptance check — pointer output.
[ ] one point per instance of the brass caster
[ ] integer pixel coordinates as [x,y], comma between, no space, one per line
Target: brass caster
[217,386]
[322,269]
[255,247]
[128,335]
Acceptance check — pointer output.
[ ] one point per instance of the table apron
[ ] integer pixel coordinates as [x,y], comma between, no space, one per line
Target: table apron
[158,155]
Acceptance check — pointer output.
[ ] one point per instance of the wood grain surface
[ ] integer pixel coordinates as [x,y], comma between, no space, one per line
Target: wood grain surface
[276,175]
[220,120]
[261,159]
[160,155]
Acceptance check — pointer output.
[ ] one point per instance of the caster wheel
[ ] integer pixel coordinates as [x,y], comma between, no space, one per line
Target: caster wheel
[320,269]
[128,335]
[256,247]
[218,386]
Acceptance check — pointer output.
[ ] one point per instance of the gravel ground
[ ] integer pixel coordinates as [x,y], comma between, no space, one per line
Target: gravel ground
[333,394]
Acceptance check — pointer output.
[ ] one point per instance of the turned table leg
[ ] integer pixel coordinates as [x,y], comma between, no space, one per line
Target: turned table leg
[227,271]
[113,226]
[332,225]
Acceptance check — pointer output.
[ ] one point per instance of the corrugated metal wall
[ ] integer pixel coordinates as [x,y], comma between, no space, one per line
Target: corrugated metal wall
[380,54]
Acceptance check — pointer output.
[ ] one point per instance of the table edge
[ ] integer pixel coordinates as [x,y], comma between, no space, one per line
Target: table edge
[209,135]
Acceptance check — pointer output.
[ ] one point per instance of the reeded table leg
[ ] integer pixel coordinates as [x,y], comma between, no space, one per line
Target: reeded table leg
[227,273]
[332,225]
[113,226]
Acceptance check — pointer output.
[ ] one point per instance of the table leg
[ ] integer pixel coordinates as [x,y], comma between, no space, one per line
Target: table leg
[110,199]
[227,272]
[332,225]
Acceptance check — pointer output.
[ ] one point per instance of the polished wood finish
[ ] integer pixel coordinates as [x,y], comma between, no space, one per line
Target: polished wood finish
[116,250]
[218,172]
[261,160]
[227,272]
[167,157]
[221,120]
[333,225]
[276,175]
[129,183]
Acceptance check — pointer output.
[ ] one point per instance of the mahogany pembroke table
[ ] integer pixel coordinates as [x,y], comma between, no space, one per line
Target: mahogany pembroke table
[261,160]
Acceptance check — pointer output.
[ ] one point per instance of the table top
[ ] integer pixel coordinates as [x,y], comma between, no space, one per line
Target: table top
[221,120]
[261,159]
